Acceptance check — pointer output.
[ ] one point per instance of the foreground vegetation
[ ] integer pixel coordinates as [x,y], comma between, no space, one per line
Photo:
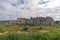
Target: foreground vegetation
[29,32]
[39,36]
[29,28]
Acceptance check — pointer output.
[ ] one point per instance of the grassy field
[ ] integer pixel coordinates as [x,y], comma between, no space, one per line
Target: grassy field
[37,36]
[29,32]
[28,28]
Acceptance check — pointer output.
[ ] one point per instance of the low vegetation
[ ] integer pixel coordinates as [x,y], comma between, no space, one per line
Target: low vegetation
[29,32]
[29,28]
[39,36]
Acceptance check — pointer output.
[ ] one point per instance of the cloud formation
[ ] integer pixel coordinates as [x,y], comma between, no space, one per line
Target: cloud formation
[11,9]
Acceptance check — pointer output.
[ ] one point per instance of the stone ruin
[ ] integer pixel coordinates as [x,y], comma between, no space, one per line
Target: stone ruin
[36,21]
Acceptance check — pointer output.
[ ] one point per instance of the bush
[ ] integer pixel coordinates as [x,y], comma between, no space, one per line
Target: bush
[25,28]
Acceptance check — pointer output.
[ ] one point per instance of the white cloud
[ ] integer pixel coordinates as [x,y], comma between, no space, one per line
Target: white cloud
[28,9]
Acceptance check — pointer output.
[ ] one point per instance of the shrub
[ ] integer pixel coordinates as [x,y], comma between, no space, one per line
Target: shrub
[25,28]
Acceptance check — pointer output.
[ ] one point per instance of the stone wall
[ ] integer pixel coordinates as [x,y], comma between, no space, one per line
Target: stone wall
[36,21]
[21,20]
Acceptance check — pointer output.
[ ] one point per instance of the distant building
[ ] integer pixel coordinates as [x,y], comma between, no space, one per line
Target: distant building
[29,21]
[34,21]
[11,22]
[50,20]
[41,21]
[21,20]
[38,20]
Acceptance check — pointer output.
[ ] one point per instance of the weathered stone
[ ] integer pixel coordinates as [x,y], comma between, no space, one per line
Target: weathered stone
[21,20]
[50,20]
[29,21]
[35,21]
[12,22]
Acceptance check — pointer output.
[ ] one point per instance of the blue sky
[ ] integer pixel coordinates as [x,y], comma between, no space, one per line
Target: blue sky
[12,9]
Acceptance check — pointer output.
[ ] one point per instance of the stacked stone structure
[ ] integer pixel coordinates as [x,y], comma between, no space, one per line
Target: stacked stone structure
[36,21]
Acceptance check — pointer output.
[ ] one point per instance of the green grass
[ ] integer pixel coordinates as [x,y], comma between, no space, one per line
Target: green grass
[39,36]
[28,28]
[29,32]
